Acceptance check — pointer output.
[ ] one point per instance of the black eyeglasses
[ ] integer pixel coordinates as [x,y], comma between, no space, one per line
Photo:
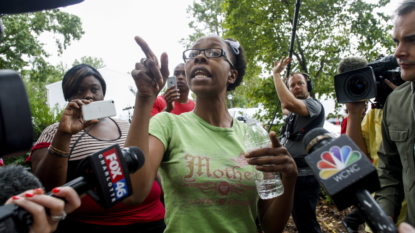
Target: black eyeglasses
[209,53]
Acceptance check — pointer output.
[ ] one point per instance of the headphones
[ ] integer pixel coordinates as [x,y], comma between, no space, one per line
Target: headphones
[308,80]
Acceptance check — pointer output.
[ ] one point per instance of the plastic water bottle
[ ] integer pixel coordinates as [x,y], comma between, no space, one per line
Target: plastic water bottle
[268,184]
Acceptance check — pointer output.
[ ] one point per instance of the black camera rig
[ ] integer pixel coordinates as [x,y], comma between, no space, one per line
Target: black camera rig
[368,82]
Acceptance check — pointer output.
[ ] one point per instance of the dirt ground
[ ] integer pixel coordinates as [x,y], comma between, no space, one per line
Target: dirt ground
[328,217]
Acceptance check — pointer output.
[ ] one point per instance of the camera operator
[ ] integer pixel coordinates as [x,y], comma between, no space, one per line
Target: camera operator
[306,113]
[364,130]
[396,152]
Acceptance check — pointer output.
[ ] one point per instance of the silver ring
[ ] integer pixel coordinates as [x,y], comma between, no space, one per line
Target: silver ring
[143,61]
[60,217]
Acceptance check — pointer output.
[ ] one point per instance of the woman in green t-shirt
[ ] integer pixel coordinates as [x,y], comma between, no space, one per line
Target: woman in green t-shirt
[207,180]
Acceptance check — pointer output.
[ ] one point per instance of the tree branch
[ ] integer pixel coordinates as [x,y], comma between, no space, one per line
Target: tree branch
[320,70]
[302,61]
[4,49]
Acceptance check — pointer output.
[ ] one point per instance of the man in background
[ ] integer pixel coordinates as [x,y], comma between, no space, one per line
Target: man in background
[305,114]
[174,100]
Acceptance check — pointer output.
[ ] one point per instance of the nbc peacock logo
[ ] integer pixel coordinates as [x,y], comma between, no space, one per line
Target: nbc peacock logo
[336,159]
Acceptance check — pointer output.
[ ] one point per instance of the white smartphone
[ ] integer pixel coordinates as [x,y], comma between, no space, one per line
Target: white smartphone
[171,81]
[98,109]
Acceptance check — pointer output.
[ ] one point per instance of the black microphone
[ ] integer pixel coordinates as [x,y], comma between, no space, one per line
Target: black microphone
[347,176]
[103,175]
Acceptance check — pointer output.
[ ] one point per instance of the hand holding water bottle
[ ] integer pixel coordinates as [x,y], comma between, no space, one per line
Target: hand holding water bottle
[269,158]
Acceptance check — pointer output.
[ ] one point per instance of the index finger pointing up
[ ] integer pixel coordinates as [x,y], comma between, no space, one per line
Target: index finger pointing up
[146,49]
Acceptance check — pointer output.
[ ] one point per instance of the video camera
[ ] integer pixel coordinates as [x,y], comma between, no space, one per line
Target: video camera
[16,130]
[368,82]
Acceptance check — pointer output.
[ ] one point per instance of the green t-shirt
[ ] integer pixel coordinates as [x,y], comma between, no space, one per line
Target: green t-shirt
[208,185]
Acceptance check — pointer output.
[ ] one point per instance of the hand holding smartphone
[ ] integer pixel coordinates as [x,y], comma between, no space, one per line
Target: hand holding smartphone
[171,81]
[98,109]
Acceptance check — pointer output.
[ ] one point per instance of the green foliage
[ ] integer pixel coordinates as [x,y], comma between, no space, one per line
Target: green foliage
[92,61]
[326,196]
[21,46]
[16,160]
[21,50]
[208,19]
[327,31]
[43,116]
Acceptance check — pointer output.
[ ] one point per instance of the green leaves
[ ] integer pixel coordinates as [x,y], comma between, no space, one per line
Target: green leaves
[327,31]
[95,62]
[21,45]
[21,50]
[207,19]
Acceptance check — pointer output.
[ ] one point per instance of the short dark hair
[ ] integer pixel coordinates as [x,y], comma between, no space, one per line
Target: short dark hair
[239,62]
[180,64]
[74,77]
[406,7]
[15,179]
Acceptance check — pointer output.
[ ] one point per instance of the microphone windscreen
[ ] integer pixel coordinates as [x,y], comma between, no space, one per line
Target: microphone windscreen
[134,157]
[351,63]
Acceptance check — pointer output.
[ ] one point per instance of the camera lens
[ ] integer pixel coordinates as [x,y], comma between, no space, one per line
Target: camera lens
[357,86]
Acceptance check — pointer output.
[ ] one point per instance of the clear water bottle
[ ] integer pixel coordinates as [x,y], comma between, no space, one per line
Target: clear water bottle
[268,184]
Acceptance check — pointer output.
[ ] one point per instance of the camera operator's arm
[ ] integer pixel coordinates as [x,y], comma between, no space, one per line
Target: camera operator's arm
[288,100]
[35,203]
[50,164]
[354,124]
[390,84]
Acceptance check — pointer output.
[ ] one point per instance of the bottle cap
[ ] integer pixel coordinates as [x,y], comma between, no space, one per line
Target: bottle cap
[251,121]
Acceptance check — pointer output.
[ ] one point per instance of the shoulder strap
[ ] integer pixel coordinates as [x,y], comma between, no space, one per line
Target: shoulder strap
[299,134]
[286,128]
[79,138]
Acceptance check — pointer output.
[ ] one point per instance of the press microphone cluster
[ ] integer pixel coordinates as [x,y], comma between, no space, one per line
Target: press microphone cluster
[347,176]
[103,175]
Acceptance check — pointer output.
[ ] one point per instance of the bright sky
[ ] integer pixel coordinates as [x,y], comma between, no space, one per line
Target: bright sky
[110,27]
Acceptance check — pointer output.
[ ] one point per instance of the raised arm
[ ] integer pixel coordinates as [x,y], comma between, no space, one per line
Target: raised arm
[149,78]
[354,125]
[50,164]
[288,100]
